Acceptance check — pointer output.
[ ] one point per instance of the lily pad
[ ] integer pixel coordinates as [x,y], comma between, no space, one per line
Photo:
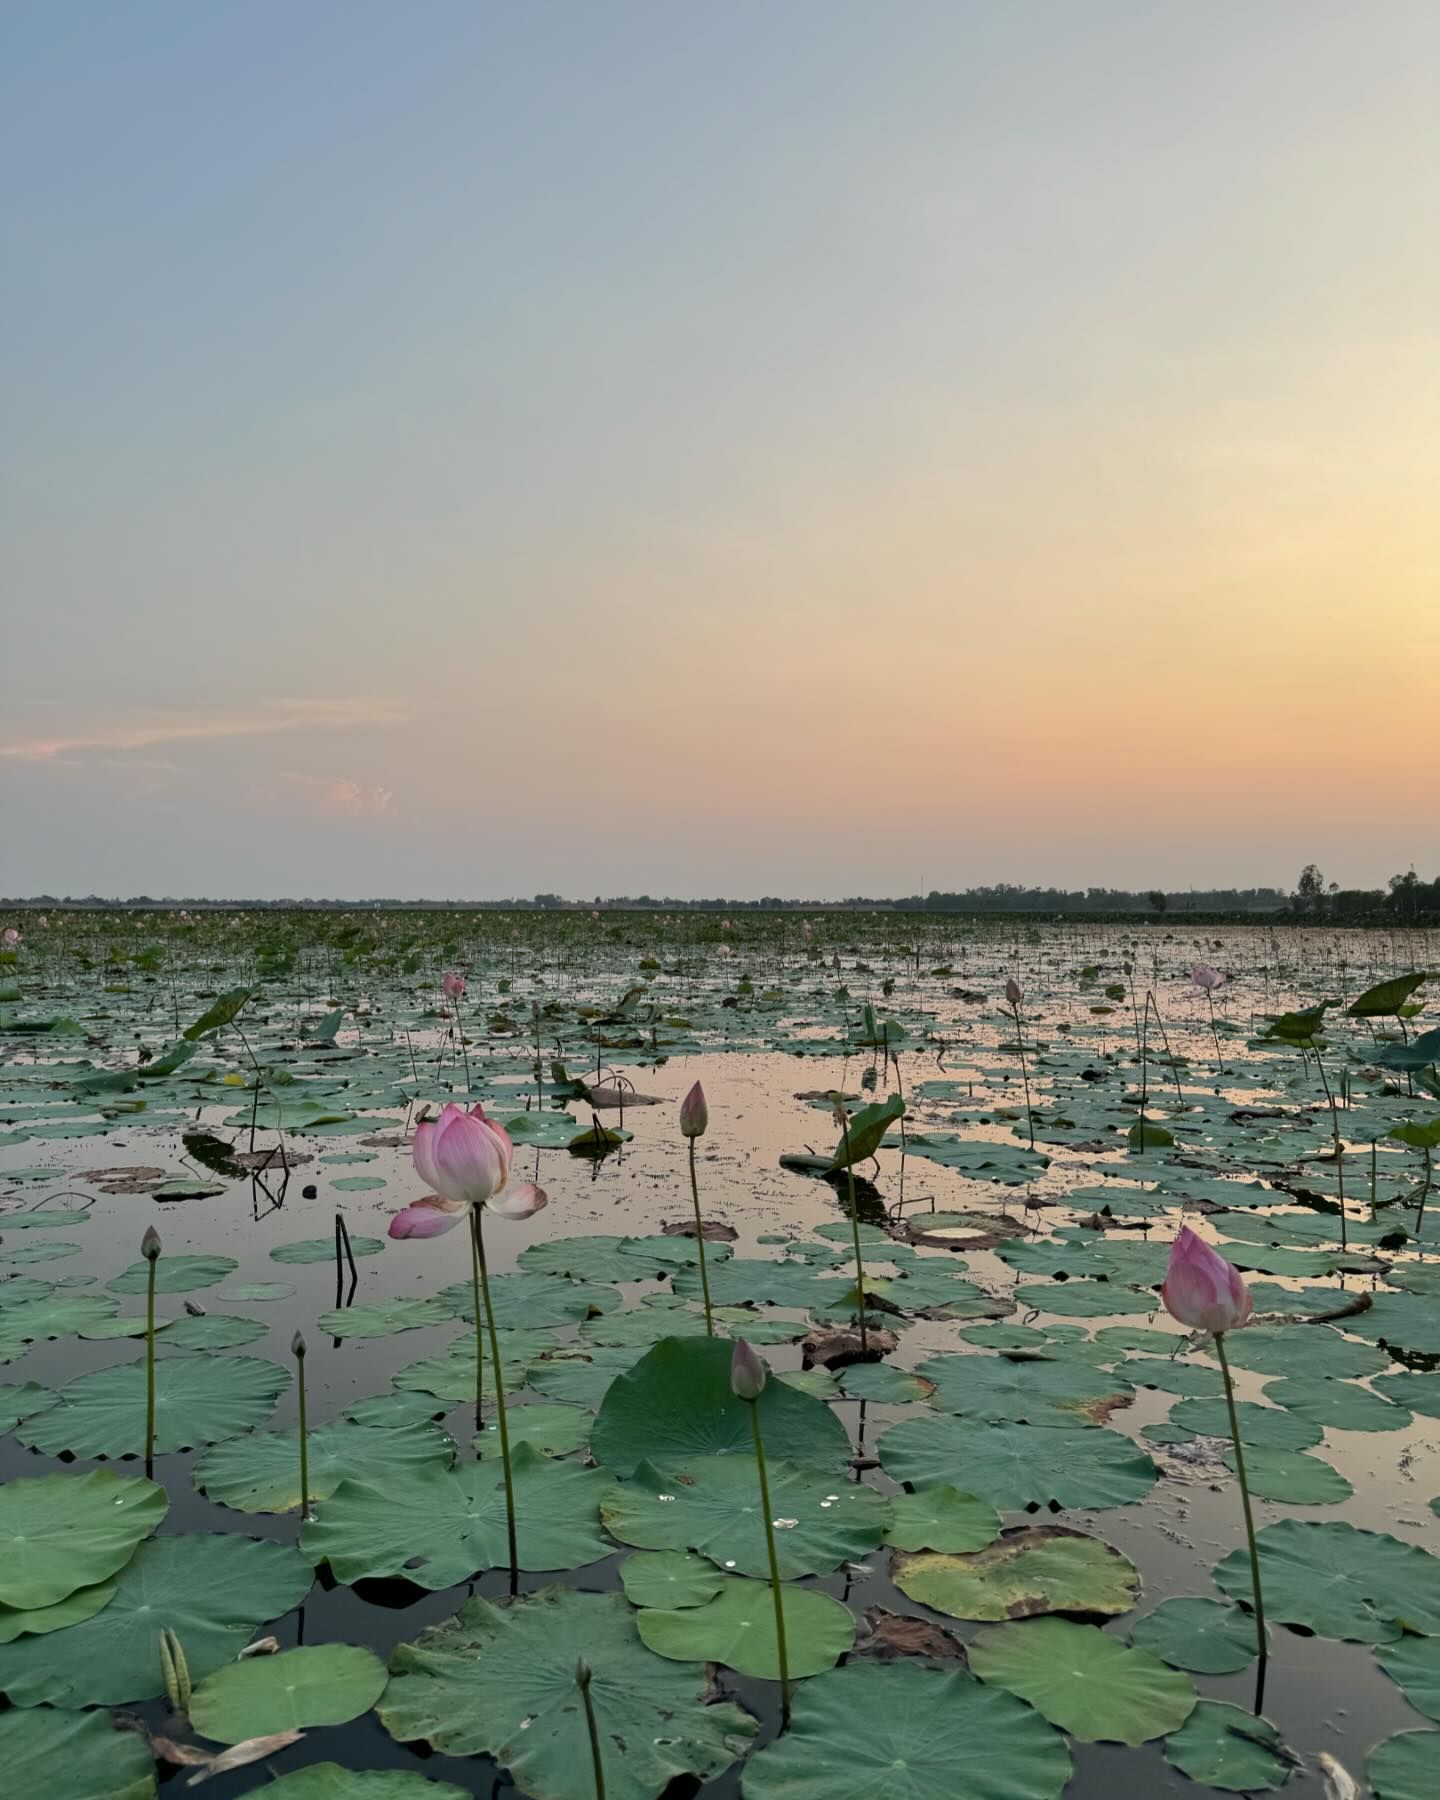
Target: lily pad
[1414,1664]
[737,1628]
[384,1318]
[328,1781]
[1200,1635]
[63,1532]
[472,1685]
[909,1733]
[1221,1746]
[1336,1405]
[669,1579]
[317,1684]
[1403,1767]
[1339,1581]
[1020,1466]
[941,1518]
[553,1430]
[318,1250]
[1084,1681]
[1028,1570]
[73,1756]
[1267,1427]
[198,1400]
[174,1274]
[1292,1476]
[261,1473]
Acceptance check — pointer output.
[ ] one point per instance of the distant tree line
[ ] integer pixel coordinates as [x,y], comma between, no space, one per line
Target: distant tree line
[1404,900]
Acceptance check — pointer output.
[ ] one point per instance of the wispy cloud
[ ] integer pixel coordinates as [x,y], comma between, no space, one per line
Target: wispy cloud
[143,731]
[336,798]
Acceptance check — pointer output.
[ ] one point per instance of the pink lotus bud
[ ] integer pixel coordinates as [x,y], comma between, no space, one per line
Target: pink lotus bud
[1013,991]
[1205,977]
[298,1346]
[453,984]
[427,1218]
[44,922]
[463,1156]
[694,1114]
[11,937]
[747,1372]
[1201,1289]
[150,1244]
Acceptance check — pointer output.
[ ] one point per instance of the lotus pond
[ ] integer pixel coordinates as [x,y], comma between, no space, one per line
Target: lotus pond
[1001,1476]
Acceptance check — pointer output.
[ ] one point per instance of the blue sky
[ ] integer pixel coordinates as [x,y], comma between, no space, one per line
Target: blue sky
[480,449]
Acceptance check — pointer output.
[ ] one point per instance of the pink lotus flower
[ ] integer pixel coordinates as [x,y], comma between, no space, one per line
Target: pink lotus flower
[1205,977]
[1013,992]
[1201,1289]
[431,1216]
[747,1372]
[10,938]
[694,1114]
[466,1160]
[453,984]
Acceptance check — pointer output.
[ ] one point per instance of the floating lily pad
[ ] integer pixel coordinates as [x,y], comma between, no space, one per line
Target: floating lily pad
[909,1733]
[257,1290]
[261,1473]
[210,1590]
[1028,1570]
[737,1628]
[384,1318]
[62,1532]
[1221,1746]
[883,1384]
[73,1756]
[210,1331]
[1200,1635]
[994,1388]
[1336,1405]
[472,1685]
[713,1505]
[198,1400]
[1403,1767]
[438,1526]
[676,1404]
[1414,1663]
[1267,1427]
[1019,1466]
[84,1603]
[669,1579]
[174,1274]
[22,1400]
[1315,1351]
[1339,1581]
[1084,1681]
[317,1684]
[450,1375]
[317,1250]
[941,1518]
[1292,1476]
[551,1429]
[328,1781]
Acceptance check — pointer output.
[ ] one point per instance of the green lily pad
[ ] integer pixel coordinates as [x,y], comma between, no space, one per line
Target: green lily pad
[210,1331]
[1087,1299]
[906,1732]
[174,1274]
[1317,1350]
[669,1579]
[198,1400]
[257,1290]
[328,1781]
[73,1756]
[472,1685]
[995,1389]
[1339,1581]
[1403,1767]
[737,1628]
[47,1315]
[84,1603]
[1222,1746]
[551,1429]
[210,1590]
[1028,1570]
[22,1400]
[437,1526]
[1267,1427]
[580,1380]
[1410,1388]
[1084,1681]
[450,1375]
[535,1301]
[384,1318]
[47,1250]
[317,1684]
[1292,1476]
[1336,1405]
[1193,1381]
[1019,1466]
[1200,1635]
[883,1384]
[675,1404]
[941,1518]
[1414,1664]
[63,1532]
[713,1506]
[318,1250]
[261,1473]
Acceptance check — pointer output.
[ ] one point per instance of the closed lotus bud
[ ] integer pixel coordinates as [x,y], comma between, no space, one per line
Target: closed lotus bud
[747,1372]
[1205,977]
[453,984]
[1201,1289]
[297,1344]
[582,1672]
[150,1244]
[694,1114]
[1012,990]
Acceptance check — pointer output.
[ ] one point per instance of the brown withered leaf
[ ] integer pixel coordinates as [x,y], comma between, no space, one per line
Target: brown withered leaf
[715,1232]
[238,1755]
[834,1348]
[898,1634]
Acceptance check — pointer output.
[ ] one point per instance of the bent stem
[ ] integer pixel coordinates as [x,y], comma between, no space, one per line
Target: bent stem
[775,1589]
[150,1367]
[854,1227]
[1249,1520]
[582,1681]
[700,1242]
[1024,1073]
[479,1240]
[479,1338]
[1339,1147]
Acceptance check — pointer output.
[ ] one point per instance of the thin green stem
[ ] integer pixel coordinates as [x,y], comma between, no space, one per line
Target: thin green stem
[1245,1502]
[700,1242]
[150,1366]
[584,1685]
[854,1228]
[479,1336]
[1339,1147]
[304,1444]
[775,1588]
[499,1400]
[460,1039]
[1024,1073]
[1425,1191]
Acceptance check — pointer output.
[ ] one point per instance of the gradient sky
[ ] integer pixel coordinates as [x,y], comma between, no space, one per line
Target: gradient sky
[802,448]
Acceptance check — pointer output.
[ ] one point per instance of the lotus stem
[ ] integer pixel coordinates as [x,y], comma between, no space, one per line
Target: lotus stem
[1215,1032]
[582,1681]
[700,1243]
[1339,1147]
[775,1588]
[854,1225]
[1249,1517]
[460,1039]
[479,1336]
[150,1249]
[297,1348]
[479,1242]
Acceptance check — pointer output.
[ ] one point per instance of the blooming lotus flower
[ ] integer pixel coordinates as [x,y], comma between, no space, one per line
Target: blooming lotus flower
[11,937]
[431,1216]
[1205,977]
[465,1158]
[1013,991]
[453,984]
[1201,1289]
[694,1114]
[747,1372]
